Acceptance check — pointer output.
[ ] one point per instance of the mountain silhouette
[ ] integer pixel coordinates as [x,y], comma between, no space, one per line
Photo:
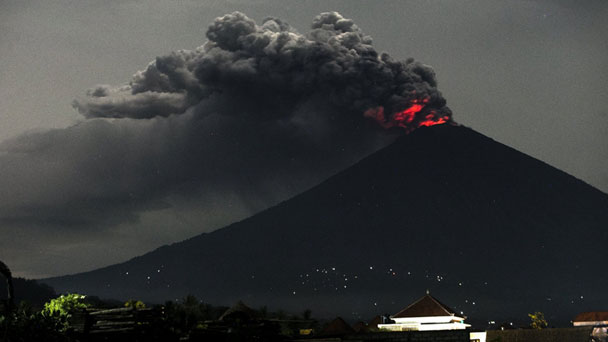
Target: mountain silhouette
[490,231]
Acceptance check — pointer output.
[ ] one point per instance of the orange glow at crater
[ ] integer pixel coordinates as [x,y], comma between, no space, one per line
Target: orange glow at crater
[431,120]
[409,118]
[408,114]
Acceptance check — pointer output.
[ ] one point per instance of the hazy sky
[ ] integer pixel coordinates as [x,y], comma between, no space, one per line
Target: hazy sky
[530,74]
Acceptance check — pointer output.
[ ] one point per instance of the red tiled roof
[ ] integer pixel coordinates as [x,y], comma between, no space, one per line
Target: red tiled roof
[425,306]
[593,316]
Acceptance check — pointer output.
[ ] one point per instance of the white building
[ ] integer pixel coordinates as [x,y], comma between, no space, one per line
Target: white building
[426,314]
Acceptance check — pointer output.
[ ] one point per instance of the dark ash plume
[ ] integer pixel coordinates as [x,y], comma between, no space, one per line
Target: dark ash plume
[257,113]
[271,69]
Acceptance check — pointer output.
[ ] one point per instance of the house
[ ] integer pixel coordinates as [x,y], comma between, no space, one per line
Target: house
[594,318]
[426,314]
[337,327]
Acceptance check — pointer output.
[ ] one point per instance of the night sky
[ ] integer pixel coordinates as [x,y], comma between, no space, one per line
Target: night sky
[94,170]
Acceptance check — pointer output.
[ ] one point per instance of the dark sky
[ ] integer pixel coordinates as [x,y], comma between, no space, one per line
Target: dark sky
[94,170]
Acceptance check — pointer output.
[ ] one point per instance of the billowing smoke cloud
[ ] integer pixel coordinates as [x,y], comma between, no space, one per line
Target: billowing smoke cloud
[274,68]
[259,112]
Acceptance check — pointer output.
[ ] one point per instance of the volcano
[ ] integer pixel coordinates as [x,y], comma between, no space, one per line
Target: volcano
[490,231]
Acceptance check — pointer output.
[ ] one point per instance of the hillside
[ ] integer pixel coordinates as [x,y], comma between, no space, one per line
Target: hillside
[489,230]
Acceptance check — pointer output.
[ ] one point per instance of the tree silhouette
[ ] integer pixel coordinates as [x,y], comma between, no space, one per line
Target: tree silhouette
[6,272]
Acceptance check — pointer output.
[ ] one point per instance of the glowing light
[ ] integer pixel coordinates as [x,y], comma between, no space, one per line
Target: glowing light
[410,118]
[430,122]
[409,114]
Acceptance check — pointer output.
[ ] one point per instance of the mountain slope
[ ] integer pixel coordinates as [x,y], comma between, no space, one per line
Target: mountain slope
[491,231]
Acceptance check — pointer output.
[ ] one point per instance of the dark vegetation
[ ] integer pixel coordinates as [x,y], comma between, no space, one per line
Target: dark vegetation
[74,317]
[30,291]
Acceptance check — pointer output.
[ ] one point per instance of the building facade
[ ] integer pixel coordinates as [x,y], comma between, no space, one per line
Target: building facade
[426,314]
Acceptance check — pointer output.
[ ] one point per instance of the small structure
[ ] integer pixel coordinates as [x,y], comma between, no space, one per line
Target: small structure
[426,314]
[119,324]
[594,318]
[337,327]
[238,323]
[239,313]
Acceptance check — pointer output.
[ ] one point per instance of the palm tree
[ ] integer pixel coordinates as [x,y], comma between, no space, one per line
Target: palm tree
[6,272]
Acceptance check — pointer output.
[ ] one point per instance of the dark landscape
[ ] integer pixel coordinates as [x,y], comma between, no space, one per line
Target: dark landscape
[205,171]
[493,231]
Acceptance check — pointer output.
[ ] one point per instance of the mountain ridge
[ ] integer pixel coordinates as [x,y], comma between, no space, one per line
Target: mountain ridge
[445,196]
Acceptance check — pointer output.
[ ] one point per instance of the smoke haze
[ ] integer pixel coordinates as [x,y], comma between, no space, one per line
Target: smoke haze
[255,115]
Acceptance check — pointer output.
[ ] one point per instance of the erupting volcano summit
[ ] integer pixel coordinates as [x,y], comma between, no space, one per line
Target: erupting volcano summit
[410,118]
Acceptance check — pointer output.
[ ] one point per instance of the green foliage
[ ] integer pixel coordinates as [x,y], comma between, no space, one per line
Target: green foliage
[64,304]
[538,320]
[179,319]
[133,303]
[61,308]
[25,325]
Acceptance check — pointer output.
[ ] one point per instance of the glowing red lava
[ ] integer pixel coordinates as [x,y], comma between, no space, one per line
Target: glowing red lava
[409,118]
[409,114]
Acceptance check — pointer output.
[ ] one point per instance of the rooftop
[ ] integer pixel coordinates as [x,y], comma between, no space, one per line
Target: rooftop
[424,307]
[593,316]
